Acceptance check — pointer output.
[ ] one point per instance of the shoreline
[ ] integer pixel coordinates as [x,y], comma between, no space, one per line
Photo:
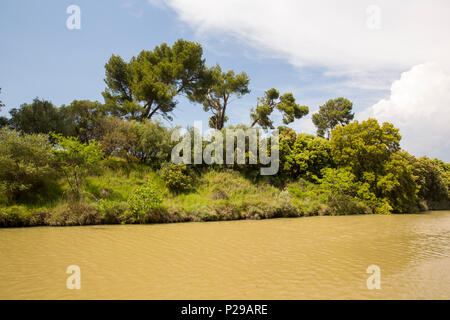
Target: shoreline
[205,221]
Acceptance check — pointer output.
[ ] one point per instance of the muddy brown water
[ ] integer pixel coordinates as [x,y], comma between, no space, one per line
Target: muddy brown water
[303,258]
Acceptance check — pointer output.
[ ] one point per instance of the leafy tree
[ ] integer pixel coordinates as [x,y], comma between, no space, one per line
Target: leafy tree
[308,155]
[148,83]
[119,138]
[154,145]
[76,160]
[431,179]
[398,184]
[271,101]
[3,122]
[27,163]
[216,90]
[40,116]
[81,118]
[334,112]
[365,147]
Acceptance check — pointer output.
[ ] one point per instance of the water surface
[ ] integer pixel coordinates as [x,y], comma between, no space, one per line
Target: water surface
[303,258]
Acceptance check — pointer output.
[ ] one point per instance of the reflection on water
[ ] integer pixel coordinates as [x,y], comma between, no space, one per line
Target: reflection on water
[304,258]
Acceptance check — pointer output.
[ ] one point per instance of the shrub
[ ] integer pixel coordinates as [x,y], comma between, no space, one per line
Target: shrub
[26,163]
[144,199]
[113,211]
[119,138]
[175,177]
[337,193]
[77,159]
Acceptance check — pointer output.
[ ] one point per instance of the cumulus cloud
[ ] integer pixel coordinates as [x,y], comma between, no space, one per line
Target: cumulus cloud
[347,36]
[419,105]
[367,42]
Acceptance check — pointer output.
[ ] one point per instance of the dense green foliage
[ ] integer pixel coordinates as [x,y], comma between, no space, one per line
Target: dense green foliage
[143,200]
[175,177]
[27,164]
[91,163]
[303,154]
[40,116]
[76,160]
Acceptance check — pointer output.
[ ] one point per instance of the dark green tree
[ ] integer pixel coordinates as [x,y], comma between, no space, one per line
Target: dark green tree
[40,116]
[271,101]
[398,184]
[82,118]
[148,83]
[216,90]
[334,112]
[431,180]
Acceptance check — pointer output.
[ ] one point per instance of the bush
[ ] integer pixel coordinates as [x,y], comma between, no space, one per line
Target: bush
[77,159]
[176,178]
[113,212]
[143,200]
[337,193]
[27,163]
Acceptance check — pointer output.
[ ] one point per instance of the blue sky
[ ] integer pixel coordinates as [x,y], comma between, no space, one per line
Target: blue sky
[40,57]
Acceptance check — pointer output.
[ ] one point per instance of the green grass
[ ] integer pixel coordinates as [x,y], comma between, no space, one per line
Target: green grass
[215,195]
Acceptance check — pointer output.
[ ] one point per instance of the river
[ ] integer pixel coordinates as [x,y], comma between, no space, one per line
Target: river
[303,258]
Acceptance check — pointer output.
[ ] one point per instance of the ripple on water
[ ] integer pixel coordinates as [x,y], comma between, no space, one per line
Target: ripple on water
[313,258]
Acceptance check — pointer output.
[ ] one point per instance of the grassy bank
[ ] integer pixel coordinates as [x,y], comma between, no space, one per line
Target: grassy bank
[215,195]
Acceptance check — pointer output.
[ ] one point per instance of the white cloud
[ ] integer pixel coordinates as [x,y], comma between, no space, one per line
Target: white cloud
[334,35]
[329,33]
[419,106]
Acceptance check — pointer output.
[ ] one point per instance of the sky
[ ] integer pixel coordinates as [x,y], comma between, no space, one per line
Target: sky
[390,58]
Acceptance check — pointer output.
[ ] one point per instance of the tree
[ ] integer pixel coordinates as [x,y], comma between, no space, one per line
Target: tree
[76,160]
[216,91]
[271,101]
[334,112]
[365,147]
[40,116]
[307,155]
[119,138]
[431,181]
[148,84]
[81,118]
[155,144]
[398,184]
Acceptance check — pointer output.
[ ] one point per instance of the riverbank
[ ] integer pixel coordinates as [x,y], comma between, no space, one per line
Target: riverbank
[215,195]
